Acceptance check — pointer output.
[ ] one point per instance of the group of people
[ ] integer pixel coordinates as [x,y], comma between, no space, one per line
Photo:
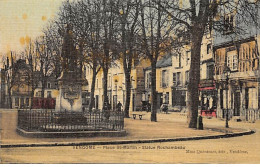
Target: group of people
[163,108]
[119,106]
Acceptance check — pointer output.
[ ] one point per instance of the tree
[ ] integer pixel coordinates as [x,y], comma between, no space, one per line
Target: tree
[156,39]
[129,12]
[88,27]
[10,73]
[46,60]
[30,56]
[109,32]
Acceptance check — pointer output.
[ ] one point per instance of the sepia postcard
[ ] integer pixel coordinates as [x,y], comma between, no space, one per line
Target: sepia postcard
[129,81]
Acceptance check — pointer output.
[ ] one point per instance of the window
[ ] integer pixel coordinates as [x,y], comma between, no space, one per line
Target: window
[40,84]
[22,103]
[27,102]
[187,74]
[174,79]
[180,60]
[210,71]
[166,98]
[16,101]
[208,48]
[232,62]
[164,79]
[38,94]
[97,83]
[177,79]
[229,24]
[48,85]
[48,94]
[148,80]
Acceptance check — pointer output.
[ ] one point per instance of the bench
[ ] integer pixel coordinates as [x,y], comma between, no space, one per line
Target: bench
[140,116]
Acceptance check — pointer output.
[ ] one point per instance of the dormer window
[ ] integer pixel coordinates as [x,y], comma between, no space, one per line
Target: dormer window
[229,24]
[48,85]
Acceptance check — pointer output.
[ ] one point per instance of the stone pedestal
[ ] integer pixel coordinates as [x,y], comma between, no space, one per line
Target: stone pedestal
[70,93]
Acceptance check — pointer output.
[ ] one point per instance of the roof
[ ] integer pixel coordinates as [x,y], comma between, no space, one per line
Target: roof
[165,61]
[245,29]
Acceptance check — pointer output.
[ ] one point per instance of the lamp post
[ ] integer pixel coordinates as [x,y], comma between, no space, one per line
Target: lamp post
[226,73]
[115,102]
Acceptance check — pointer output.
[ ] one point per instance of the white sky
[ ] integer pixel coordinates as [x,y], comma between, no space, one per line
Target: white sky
[23,19]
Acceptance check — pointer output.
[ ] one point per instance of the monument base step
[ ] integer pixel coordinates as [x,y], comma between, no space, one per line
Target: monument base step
[72,134]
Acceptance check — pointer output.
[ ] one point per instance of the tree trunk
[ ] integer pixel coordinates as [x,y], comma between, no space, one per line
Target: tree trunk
[193,92]
[153,92]
[93,84]
[43,89]
[32,94]
[128,91]
[10,98]
[105,73]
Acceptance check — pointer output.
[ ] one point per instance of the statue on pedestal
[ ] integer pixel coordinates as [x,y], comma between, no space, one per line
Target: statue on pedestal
[70,81]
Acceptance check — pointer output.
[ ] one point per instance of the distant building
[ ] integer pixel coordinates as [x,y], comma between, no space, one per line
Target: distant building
[19,79]
[20,85]
[163,81]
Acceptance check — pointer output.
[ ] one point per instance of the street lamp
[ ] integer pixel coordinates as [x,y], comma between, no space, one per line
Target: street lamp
[115,98]
[226,73]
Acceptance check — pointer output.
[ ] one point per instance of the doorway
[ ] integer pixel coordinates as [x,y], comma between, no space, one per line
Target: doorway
[237,104]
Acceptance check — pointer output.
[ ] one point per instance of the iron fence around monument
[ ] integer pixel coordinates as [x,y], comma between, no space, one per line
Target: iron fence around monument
[63,121]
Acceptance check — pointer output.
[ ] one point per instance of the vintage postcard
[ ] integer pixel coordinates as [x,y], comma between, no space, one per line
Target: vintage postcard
[130,81]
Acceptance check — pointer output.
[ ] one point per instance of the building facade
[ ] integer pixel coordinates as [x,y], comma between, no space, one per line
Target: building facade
[237,67]
[163,81]
[239,91]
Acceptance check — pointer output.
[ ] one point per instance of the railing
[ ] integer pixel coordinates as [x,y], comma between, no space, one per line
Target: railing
[250,114]
[52,121]
[246,114]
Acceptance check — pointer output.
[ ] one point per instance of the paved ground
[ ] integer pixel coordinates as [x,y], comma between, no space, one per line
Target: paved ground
[245,149]
[219,151]
[168,126]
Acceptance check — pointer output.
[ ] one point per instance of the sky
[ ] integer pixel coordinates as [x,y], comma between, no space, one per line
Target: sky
[21,20]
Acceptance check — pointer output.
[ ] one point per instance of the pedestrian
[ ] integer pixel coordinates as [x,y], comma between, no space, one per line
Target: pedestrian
[164,108]
[119,106]
[148,107]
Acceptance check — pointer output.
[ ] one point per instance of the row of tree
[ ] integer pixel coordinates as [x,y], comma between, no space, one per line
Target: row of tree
[106,30]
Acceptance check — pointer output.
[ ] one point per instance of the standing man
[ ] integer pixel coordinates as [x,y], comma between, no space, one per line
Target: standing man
[119,106]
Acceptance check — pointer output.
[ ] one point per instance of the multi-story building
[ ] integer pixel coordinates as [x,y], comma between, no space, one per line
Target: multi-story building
[180,77]
[20,85]
[115,85]
[163,81]
[237,71]
[17,81]
[240,93]
[173,78]
[207,86]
